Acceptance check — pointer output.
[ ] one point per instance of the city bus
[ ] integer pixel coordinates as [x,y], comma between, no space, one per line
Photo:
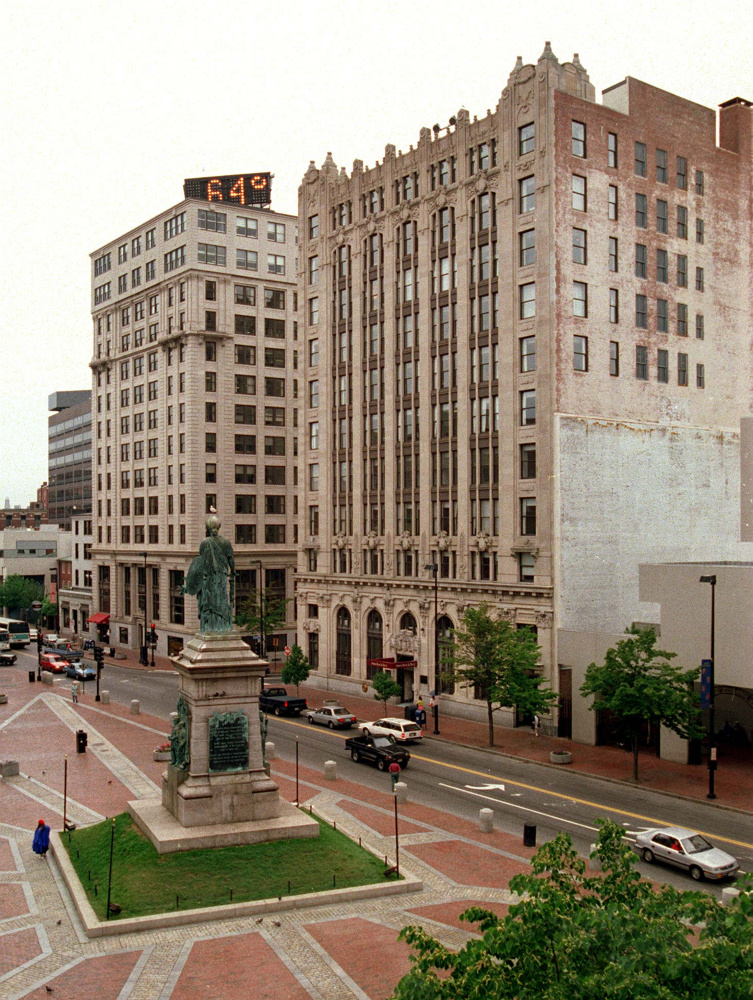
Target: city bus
[19,631]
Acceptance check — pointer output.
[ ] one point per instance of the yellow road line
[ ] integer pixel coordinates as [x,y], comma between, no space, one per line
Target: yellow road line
[487,775]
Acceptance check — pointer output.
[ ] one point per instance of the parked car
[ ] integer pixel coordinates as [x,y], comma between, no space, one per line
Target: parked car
[334,716]
[7,659]
[33,634]
[53,662]
[50,637]
[379,750]
[401,729]
[80,671]
[277,700]
[674,845]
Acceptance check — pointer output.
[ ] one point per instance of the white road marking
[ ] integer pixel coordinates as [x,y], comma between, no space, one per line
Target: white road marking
[514,805]
[487,788]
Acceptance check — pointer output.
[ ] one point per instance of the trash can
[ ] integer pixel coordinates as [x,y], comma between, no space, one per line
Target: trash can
[529,835]
[410,713]
[32,676]
[81,740]
[112,651]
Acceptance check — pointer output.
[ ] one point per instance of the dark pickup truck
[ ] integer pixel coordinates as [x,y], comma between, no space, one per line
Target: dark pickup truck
[277,700]
[379,750]
[7,659]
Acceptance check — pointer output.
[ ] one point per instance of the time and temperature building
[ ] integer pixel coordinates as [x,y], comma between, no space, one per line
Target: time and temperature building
[194,406]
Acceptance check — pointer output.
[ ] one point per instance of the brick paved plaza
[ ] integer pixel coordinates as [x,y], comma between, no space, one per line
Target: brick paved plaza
[347,950]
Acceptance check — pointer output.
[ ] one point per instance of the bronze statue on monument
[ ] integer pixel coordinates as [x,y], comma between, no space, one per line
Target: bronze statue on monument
[211,577]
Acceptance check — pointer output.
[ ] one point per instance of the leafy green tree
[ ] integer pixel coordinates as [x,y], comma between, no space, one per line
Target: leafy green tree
[638,683]
[262,612]
[500,661]
[573,936]
[385,687]
[17,593]
[296,669]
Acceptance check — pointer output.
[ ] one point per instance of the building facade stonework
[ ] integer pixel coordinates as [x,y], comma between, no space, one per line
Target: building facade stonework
[520,337]
[194,407]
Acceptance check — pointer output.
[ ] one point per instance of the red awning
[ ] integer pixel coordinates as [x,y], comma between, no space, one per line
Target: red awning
[99,619]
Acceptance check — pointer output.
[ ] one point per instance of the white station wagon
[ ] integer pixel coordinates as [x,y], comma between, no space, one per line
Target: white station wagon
[401,730]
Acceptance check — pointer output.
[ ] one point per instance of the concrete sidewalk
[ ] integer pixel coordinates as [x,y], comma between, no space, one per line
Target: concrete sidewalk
[733,782]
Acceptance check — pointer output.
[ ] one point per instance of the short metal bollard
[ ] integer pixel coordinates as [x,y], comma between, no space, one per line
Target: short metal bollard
[330,770]
[46,677]
[529,835]
[135,707]
[270,750]
[594,862]
[729,895]
[486,820]
[401,792]
[105,697]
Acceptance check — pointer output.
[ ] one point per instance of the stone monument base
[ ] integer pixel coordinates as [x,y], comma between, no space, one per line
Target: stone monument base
[168,835]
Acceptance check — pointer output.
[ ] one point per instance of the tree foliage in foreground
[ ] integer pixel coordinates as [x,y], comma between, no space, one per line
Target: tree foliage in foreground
[500,661]
[638,683]
[575,936]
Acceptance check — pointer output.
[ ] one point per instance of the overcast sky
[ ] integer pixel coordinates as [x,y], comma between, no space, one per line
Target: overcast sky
[106,108]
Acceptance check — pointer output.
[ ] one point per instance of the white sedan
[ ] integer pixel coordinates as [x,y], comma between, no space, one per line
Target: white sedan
[674,845]
[401,730]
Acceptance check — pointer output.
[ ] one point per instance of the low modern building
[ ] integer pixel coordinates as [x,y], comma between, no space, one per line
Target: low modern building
[195,407]
[34,553]
[526,346]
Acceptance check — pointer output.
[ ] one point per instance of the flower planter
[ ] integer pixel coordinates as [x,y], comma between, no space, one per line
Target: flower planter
[161,755]
[561,757]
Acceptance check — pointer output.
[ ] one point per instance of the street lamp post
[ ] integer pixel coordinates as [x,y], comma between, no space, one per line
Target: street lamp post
[434,568]
[260,591]
[143,658]
[712,728]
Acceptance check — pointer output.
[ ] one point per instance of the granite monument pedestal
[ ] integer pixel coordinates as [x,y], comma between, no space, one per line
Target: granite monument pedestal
[216,792]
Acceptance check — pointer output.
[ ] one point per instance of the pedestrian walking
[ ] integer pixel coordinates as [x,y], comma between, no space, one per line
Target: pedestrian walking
[41,843]
[394,774]
[536,725]
[74,692]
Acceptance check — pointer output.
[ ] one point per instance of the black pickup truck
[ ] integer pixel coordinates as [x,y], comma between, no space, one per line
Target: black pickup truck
[379,750]
[277,700]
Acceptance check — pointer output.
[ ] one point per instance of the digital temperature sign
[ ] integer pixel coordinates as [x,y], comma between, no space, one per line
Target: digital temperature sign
[238,189]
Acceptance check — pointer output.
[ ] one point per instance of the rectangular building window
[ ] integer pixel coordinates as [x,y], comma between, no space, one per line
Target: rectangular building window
[699,182]
[527,247]
[682,319]
[662,213]
[682,270]
[662,266]
[580,354]
[682,369]
[641,260]
[579,193]
[641,312]
[662,366]
[661,166]
[528,354]
[614,357]
[612,150]
[580,298]
[528,300]
[700,376]
[612,202]
[699,237]
[578,142]
[614,305]
[527,195]
[699,283]
[528,515]
[682,173]
[613,254]
[641,211]
[699,326]
[528,407]
[682,222]
[662,315]
[247,260]
[641,362]
[640,159]
[211,254]
[526,139]
[579,246]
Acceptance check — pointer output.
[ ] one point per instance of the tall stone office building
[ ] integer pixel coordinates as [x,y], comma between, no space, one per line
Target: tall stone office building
[194,406]
[527,352]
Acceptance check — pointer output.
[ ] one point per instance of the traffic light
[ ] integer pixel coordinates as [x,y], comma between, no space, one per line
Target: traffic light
[99,656]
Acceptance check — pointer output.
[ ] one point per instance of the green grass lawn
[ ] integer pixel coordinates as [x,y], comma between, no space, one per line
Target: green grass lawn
[144,881]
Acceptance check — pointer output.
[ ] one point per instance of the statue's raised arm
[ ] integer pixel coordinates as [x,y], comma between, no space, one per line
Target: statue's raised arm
[211,577]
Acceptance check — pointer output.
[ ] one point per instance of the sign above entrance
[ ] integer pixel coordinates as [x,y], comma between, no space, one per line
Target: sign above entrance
[391,664]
